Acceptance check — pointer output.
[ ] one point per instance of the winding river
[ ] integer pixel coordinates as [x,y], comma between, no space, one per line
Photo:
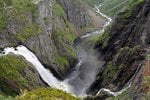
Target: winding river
[81,78]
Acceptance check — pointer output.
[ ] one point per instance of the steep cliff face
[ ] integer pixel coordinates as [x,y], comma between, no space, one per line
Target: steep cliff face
[125,46]
[76,12]
[47,28]
[17,74]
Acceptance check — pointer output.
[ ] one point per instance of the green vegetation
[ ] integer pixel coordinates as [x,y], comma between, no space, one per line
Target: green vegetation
[64,43]
[111,70]
[64,40]
[121,58]
[124,96]
[23,6]
[146,82]
[62,61]
[46,94]
[41,94]
[10,66]
[105,37]
[14,9]
[128,10]
[63,37]
[90,42]
[111,8]
[94,38]
[6,98]
[47,20]
[28,31]
[3,22]
[132,3]
[61,27]
[66,36]
[93,2]
[58,10]
[148,56]
[125,14]
[16,74]
[3,16]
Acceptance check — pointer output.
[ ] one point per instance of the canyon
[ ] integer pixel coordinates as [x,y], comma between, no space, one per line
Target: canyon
[71,46]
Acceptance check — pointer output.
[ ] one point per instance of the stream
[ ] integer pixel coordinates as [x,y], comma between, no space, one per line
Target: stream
[84,74]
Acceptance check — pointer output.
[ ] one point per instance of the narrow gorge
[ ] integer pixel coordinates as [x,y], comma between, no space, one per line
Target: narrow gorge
[72,49]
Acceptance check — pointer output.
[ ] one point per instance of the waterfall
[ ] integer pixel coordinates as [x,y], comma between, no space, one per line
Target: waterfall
[74,83]
[45,74]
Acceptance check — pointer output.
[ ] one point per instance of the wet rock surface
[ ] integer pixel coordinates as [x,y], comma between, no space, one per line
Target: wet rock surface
[125,49]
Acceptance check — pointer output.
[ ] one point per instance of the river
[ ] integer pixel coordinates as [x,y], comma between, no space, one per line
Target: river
[79,81]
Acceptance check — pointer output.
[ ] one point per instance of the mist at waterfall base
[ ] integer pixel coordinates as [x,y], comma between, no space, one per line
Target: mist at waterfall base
[83,75]
[76,83]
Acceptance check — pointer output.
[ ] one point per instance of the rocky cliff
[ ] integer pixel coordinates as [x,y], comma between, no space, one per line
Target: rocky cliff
[17,74]
[76,12]
[125,46]
[84,19]
[46,27]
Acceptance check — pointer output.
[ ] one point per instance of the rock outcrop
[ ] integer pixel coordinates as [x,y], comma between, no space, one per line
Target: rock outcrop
[125,46]
[17,75]
[76,12]
[46,27]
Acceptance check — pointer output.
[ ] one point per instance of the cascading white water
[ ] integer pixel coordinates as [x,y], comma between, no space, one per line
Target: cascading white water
[45,74]
[71,83]
[113,93]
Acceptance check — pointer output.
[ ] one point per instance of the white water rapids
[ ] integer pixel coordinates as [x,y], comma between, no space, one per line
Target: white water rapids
[79,80]
[45,74]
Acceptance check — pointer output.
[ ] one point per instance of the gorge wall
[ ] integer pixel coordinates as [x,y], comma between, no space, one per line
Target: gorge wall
[125,45]
[46,27]
[49,27]
[42,28]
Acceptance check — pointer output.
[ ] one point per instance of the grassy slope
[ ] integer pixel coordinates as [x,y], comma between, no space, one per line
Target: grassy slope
[18,10]
[10,66]
[111,8]
[13,75]
[46,94]
[93,2]
[41,94]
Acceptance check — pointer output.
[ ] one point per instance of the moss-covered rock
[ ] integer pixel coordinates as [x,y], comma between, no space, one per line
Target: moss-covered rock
[17,74]
[29,31]
[125,50]
[63,37]
[2,97]
[46,94]
[14,9]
